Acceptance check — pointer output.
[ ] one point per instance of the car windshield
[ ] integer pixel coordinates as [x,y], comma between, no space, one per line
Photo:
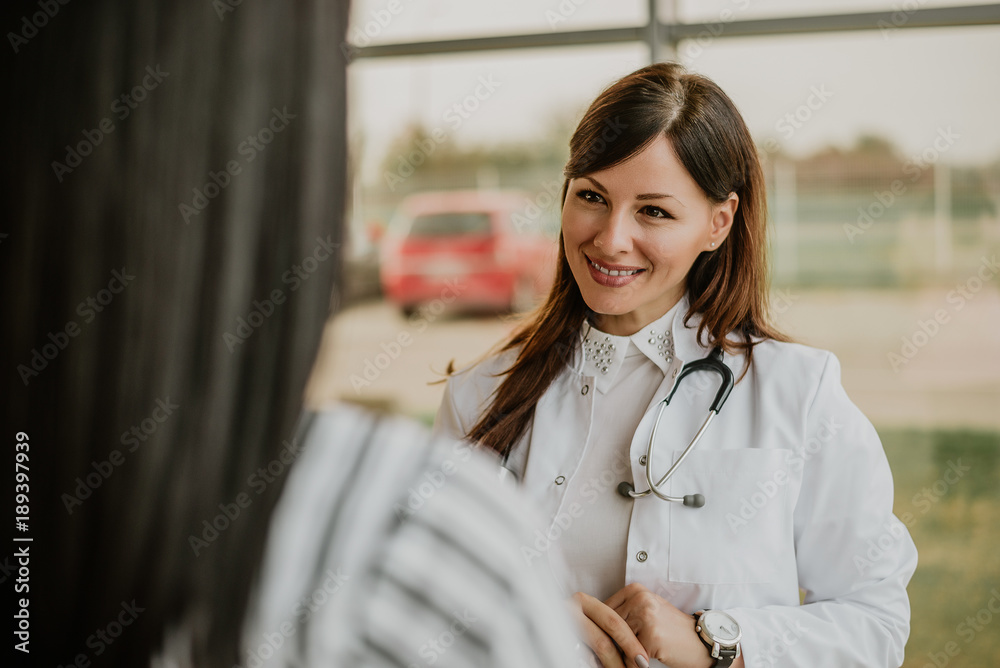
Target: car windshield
[450,224]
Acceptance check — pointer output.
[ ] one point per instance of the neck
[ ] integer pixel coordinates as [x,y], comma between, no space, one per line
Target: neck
[627,324]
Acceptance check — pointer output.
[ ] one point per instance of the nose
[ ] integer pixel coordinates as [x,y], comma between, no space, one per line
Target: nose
[615,233]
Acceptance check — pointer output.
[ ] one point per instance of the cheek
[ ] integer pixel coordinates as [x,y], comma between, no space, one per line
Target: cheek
[574,228]
[674,251]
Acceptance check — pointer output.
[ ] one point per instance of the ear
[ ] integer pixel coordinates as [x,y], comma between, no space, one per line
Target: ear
[723,215]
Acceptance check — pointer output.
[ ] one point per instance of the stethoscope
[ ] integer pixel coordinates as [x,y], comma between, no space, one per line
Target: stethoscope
[712,363]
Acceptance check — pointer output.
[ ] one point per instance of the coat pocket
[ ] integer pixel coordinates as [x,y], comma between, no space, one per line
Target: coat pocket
[744,533]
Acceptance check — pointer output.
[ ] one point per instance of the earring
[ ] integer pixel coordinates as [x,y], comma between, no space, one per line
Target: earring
[713,244]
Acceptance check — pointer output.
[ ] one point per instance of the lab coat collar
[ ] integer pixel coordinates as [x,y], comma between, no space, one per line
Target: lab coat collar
[686,345]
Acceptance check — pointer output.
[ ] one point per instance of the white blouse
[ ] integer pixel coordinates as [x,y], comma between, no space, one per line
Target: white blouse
[628,370]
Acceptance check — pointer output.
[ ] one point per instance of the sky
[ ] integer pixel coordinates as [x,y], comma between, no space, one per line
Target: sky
[912,86]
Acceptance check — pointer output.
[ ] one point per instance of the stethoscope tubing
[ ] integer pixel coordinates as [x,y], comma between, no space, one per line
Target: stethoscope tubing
[713,362]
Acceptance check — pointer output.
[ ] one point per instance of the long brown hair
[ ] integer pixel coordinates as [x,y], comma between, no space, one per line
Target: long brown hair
[727,287]
[172,349]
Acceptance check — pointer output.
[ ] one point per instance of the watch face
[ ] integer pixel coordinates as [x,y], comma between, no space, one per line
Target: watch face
[721,627]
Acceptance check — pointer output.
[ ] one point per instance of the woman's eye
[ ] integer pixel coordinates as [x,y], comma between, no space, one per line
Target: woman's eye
[656,212]
[590,196]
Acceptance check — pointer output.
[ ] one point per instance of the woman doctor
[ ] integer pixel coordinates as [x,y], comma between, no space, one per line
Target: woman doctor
[795,558]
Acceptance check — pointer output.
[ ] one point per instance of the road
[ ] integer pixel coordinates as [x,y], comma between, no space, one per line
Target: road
[924,359]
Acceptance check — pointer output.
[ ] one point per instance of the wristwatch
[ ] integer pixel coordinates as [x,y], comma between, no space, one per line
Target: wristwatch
[721,633]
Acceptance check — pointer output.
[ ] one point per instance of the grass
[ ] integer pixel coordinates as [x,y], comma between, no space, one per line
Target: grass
[955,527]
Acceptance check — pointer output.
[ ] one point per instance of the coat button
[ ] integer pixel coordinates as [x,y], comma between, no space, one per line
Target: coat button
[642,460]
[586,388]
[560,480]
[641,556]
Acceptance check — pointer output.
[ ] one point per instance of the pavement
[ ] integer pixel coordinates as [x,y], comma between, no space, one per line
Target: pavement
[924,358]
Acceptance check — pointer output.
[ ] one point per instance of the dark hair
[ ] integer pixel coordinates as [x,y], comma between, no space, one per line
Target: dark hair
[727,287]
[113,511]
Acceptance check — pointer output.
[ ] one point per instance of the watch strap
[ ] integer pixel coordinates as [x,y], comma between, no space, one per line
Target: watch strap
[726,658]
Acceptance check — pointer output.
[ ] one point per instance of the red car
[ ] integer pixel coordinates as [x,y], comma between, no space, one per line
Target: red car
[471,249]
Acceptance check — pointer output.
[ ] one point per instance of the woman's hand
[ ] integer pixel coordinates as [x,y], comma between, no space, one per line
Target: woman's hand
[667,633]
[607,634]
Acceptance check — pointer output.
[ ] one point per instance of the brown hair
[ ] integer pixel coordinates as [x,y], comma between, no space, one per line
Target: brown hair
[728,287]
[169,345]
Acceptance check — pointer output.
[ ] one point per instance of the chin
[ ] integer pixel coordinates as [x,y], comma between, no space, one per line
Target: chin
[606,306]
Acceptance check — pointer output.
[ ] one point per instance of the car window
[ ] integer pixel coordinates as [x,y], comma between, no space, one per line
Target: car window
[450,224]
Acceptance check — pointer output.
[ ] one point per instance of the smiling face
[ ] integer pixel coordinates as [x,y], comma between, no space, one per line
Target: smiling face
[632,231]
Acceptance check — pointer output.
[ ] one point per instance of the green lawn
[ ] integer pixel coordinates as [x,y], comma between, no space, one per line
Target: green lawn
[957,531]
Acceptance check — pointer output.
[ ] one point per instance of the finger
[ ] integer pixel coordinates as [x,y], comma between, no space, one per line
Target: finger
[615,628]
[616,600]
[601,645]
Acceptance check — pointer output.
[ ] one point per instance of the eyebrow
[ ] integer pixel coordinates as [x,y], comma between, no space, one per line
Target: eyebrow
[642,197]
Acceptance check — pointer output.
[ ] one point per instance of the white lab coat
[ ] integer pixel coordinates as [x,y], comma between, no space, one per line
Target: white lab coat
[798,495]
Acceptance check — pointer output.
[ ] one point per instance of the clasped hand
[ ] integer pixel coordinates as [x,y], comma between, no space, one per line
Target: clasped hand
[635,625]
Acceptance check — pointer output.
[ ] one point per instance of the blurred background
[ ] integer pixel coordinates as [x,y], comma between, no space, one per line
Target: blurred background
[877,125]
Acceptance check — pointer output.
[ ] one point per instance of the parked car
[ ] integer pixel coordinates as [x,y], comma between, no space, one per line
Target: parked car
[470,249]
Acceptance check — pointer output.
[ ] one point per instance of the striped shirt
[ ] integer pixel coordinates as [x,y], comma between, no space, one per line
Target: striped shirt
[388,549]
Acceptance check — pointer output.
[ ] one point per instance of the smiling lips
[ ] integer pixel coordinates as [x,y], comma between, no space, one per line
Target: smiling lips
[612,276]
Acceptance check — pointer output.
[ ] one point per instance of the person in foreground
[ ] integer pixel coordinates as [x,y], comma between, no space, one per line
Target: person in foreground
[153,555]
[780,547]
[388,548]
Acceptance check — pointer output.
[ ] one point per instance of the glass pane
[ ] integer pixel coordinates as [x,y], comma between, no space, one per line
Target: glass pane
[882,158]
[387,21]
[450,224]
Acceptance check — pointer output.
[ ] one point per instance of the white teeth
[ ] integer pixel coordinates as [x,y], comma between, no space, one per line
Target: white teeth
[613,272]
